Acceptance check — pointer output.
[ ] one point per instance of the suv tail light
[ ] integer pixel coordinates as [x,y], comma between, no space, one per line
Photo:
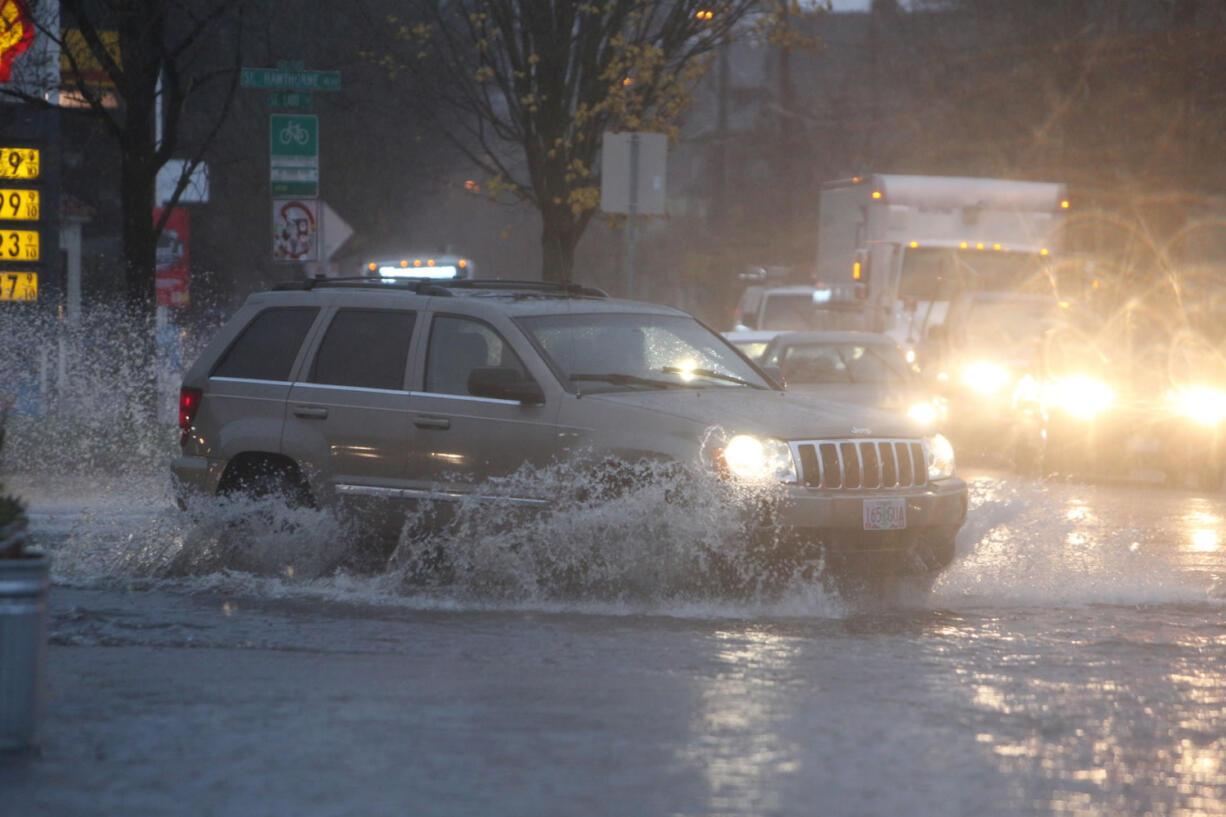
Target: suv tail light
[189,402]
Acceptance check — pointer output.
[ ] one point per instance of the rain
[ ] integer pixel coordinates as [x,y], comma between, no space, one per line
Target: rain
[650,639]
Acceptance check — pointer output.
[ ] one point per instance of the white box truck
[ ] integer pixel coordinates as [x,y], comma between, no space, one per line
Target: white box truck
[913,243]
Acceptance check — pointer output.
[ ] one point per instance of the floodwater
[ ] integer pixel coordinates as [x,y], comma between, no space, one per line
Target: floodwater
[1071,662]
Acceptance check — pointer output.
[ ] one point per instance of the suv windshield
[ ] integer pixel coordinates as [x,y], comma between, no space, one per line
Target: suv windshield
[624,352]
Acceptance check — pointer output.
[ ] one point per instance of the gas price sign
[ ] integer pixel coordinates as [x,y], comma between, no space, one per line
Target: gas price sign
[19,245]
[19,163]
[18,286]
[21,208]
[18,205]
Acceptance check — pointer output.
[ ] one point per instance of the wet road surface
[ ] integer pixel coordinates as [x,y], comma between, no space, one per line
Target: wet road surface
[1071,662]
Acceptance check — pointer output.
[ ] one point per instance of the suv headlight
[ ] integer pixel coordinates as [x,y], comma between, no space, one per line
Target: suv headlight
[940,457]
[924,412]
[755,459]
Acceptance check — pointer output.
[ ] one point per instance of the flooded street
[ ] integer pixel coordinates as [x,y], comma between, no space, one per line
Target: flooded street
[1070,662]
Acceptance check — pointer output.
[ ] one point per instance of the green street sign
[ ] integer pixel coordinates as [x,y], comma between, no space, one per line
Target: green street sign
[295,189]
[291,80]
[293,135]
[294,100]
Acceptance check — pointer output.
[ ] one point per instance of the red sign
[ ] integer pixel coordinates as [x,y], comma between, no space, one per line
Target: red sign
[173,258]
[295,229]
[16,34]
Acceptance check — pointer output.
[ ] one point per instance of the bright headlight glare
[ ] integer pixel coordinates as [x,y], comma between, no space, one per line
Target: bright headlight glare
[758,460]
[1026,391]
[923,412]
[985,377]
[1083,397]
[940,456]
[1201,404]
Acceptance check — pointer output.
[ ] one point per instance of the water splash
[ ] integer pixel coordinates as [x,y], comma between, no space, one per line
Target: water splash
[259,537]
[657,538]
[657,533]
[1051,543]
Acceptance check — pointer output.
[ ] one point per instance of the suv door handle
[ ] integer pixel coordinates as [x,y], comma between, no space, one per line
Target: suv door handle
[311,412]
[432,422]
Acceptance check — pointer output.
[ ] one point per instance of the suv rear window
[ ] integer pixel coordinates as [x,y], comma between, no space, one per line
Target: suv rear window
[267,347]
[364,348]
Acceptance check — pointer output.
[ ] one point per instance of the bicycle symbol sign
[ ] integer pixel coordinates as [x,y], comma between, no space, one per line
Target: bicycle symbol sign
[294,135]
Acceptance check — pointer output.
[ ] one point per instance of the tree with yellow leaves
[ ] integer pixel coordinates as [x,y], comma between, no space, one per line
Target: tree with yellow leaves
[531,86]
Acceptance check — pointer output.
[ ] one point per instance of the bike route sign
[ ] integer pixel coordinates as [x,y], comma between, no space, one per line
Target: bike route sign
[293,141]
[293,134]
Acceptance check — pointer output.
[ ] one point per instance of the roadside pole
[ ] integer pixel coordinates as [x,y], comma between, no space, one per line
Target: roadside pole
[632,211]
[632,182]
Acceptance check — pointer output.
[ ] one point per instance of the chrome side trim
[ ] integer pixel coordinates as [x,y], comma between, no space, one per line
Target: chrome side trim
[466,397]
[251,380]
[380,492]
[335,387]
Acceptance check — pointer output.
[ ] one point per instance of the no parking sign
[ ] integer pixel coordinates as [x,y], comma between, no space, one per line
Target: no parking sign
[295,229]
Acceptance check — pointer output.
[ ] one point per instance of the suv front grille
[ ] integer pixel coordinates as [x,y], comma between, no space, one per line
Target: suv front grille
[861,464]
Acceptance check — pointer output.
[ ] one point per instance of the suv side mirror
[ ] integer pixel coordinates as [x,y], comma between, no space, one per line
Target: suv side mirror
[504,383]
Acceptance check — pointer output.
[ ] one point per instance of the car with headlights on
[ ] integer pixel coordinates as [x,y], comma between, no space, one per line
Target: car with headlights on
[976,358]
[376,396]
[862,368]
[1155,412]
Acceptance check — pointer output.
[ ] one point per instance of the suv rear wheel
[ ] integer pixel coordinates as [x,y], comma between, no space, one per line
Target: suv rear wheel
[257,477]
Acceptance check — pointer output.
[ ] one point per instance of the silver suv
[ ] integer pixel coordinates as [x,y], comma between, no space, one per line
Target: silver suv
[391,394]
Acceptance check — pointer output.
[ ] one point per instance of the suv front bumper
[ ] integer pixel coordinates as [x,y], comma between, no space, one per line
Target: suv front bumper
[836,525]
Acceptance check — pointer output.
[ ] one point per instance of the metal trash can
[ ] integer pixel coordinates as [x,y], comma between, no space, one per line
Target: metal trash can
[23,638]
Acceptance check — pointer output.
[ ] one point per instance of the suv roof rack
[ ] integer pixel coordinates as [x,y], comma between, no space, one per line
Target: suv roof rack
[435,286]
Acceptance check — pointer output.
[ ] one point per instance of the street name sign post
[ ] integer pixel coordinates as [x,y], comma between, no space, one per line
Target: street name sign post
[293,152]
[292,100]
[278,79]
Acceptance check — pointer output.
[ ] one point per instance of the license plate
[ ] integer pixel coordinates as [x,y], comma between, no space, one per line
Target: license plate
[885,514]
[18,286]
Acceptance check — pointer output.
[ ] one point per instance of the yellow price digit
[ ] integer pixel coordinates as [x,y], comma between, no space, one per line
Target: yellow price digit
[18,286]
[18,245]
[18,205]
[19,163]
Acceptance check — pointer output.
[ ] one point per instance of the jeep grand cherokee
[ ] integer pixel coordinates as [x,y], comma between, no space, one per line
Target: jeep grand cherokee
[387,393]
